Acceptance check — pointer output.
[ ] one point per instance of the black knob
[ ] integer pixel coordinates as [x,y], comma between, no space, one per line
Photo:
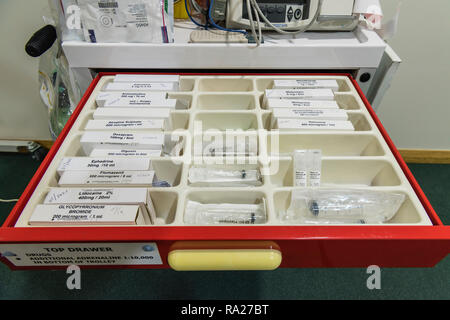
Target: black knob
[41,41]
[364,77]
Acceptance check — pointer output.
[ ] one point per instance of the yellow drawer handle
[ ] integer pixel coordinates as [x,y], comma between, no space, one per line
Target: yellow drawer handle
[224,259]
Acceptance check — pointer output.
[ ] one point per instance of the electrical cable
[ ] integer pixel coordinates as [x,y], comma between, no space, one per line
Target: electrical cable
[9,200]
[190,17]
[252,24]
[217,26]
[314,19]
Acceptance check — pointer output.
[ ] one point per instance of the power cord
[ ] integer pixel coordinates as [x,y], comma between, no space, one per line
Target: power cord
[190,16]
[9,200]
[211,4]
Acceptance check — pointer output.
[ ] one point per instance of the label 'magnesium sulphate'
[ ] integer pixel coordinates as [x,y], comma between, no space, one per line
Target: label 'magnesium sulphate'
[111,196]
[141,86]
[299,124]
[310,113]
[99,139]
[125,153]
[128,124]
[291,103]
[102,97]
[88,163]
[147,78]
[84,214]
[106,177]
[131,113]
[306,84]
[310,94]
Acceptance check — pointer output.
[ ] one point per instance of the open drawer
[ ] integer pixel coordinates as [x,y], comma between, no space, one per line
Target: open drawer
[234,104]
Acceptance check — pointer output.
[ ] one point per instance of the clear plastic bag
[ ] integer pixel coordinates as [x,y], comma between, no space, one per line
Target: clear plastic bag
[224,178]
[224,213]
[148,21]
[342,206]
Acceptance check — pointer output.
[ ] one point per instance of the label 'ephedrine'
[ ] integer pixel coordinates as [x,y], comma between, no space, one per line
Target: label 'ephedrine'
[88,164]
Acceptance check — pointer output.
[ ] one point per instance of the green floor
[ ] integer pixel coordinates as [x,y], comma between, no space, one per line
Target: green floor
[430,283]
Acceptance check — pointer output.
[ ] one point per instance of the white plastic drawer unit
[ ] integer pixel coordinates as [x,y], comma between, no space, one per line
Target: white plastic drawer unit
[155,228]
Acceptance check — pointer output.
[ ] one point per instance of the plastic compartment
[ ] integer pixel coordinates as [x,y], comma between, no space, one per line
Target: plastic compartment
[165,204]
[227,121]
[238,139]
[226,102]
[330,144]
[243,196]
[229,105]
[339,173]
[212,163]
[225,84]
[407,214]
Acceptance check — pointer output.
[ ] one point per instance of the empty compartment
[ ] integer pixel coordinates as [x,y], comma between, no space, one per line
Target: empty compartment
[179,120]
[330,144]
[226,121]
[215,143]
[226,102]
[407,214]
[184,101]
[186,84]
[165,204]
[344,173]
[229,197]
[240,170]
[347,101]
[263,84]
[225,85]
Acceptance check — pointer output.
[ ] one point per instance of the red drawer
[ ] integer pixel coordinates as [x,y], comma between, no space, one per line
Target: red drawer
[212,247]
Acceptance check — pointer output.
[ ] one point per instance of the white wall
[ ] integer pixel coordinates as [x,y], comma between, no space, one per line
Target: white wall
[22,115]
[416,109]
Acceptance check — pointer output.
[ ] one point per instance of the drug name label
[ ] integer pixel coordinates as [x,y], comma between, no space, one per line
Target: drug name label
[101,163]
[306,84]
[131,124]
[84,214]
[292,103]
[299,124]
[106,177]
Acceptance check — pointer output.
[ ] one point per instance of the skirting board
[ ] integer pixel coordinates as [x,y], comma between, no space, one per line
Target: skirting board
[425,156]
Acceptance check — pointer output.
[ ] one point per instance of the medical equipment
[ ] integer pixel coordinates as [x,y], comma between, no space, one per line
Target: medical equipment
[293,15]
